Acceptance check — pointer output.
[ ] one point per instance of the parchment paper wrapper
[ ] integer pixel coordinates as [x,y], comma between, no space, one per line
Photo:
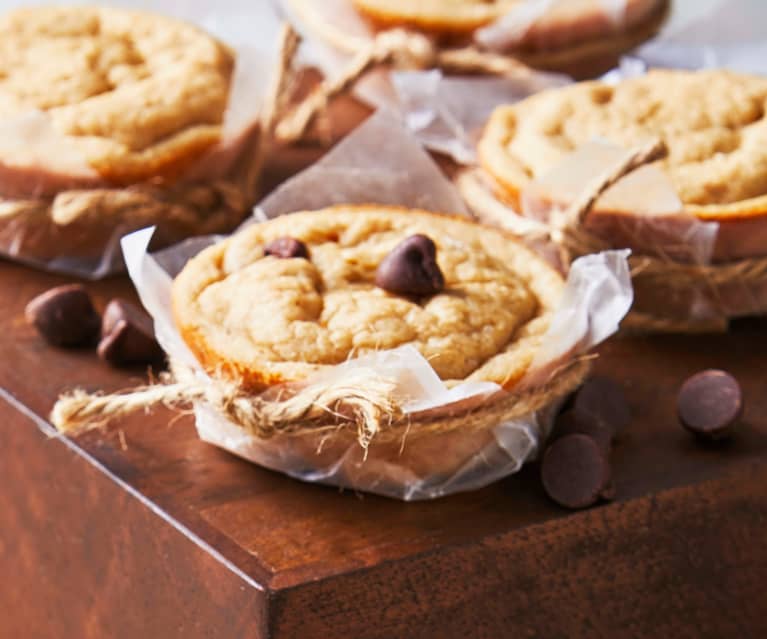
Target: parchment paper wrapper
[641,212]
[445,113]
[381,163]
[71,220]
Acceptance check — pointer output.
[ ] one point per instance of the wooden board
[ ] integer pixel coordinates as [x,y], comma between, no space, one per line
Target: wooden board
[143,530]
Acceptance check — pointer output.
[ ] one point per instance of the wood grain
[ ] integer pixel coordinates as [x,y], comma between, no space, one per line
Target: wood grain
[681,563]
[84,557]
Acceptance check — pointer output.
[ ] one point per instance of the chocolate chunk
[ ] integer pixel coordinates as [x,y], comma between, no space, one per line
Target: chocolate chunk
[710,404]
[286,248]
[127,336]
[411,268]
[602,401]
[573,422]
[64,316]
[575,472]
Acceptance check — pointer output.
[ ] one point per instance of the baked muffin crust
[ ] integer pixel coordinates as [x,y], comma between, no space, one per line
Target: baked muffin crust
[264,320]
[140,95]
[713,123]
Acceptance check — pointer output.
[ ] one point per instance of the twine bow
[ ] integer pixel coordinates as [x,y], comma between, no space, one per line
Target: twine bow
[401,49]
[361,398]
[565,230]
[360,401]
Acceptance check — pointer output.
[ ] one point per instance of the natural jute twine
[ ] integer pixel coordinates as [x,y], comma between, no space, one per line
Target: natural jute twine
[401,49]
[565,230]
[361,400]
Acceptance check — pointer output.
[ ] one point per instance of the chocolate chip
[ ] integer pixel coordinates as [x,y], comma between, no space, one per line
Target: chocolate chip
[575,472]
[411,268]
[573,422]
[601,400]
[286,248]
[710,404]
[127,336]
[64,316]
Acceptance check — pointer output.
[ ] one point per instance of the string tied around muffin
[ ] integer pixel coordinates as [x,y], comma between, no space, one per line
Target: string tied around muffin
[565,230]
[361,405]
[574,241]
[361,398]
[401,49]
[565,227]
[84,221]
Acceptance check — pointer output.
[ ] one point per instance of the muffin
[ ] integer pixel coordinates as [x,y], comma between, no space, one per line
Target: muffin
[579,37]
[695,220]
[114,119]
[712,123]
[282,302]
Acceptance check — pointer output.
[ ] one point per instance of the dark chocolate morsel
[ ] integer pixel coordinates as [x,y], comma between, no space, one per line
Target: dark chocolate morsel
[575,472]
[411,268]
[710,404]
[572,422]
[601,400]
[64,316]
[127,336]
[286,248]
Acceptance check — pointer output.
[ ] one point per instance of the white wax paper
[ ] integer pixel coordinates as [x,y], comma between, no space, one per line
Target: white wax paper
[447,113]
[34,238]
[597,296]
[378,163]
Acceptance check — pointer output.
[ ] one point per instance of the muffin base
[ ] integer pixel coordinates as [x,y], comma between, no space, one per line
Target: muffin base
[77,231]
[691,307]
[447,450]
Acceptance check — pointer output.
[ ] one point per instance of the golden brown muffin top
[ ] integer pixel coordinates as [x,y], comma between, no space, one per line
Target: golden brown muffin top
[265,320]
[139,94]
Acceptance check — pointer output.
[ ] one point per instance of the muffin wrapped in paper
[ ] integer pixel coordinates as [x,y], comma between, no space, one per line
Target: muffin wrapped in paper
[695,218]
[579,37]
[304,365]
[113,119]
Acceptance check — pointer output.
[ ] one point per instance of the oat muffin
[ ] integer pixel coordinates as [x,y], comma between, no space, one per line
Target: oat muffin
[94,100]
[583,38]
[579,37]
[139,94]
[297,295]
[264,320]
[712,122]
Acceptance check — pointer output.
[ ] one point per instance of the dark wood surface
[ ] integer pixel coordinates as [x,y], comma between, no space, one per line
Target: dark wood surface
[143,530]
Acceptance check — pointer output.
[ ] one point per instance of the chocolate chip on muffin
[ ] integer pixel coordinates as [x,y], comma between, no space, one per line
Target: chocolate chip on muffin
[411,268]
